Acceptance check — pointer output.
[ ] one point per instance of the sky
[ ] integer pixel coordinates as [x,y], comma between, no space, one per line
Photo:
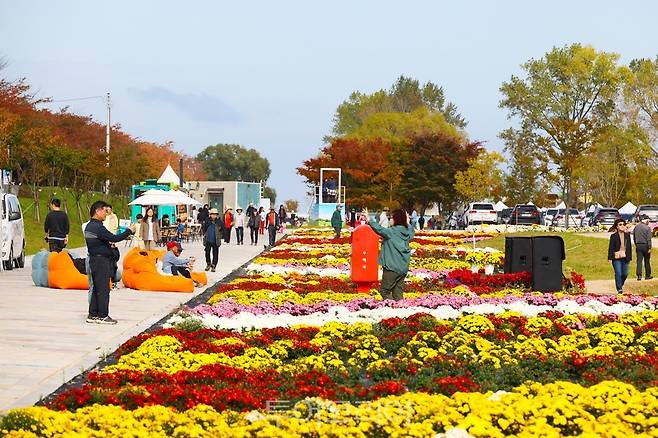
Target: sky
[269,75]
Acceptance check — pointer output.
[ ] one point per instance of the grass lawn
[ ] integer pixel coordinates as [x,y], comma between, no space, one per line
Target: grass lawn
[586,255]
[34,234]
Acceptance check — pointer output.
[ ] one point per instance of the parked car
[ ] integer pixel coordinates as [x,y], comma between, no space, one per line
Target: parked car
[504,215]
[560,219]
[525,214]
[13,233]
[587,219]
[480,213]
[548,217]
[649,210]
[605,216]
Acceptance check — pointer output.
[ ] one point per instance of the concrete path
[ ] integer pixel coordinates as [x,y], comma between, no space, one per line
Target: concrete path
[43,335]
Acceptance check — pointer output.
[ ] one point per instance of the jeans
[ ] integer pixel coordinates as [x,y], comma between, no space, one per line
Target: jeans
[643,253]
[101,268]
[392,285]
[253,233]
[175,270]
[227,234]
[271,229]
[239,234]
[215,254]
[56,245]
[621,272]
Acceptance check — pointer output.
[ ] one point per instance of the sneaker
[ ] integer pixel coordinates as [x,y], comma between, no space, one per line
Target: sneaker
[91,319]
[106,320]
[620,292]
[212,269]
[208,267]
[648,278]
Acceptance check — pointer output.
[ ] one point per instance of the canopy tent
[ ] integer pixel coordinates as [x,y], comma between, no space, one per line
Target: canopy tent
[562,205]
[164,197]
[530,203]
[628,208]
[593,207]
[169,176]
[499,206]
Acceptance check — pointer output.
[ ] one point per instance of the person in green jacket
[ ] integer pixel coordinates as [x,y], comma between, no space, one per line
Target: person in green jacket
[337,221]
[395,254]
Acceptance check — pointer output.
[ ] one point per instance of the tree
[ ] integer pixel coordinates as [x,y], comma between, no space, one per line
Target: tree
[291,205]
[566,100]
[405,96]
[232,162]
[428,165]
[641,94]
[483,179]
[270,194]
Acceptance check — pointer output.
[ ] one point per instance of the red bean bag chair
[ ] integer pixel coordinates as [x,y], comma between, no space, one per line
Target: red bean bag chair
[62,274]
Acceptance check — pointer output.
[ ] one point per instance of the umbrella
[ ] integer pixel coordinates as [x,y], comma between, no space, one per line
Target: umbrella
[164,197]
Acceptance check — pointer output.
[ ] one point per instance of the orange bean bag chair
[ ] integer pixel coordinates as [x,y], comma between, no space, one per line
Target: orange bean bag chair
[140,273]
[62,274]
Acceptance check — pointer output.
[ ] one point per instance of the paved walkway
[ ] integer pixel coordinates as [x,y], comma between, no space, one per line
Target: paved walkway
[46,342]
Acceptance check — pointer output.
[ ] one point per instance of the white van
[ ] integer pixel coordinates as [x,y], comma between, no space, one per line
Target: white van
[12,233]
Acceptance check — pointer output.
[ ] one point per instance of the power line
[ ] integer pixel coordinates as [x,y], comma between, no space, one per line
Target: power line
[77,98]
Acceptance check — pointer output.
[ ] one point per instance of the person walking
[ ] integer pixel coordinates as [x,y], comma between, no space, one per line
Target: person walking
[150,230]
[262,214]
[250,209]
[138,231]
[239,225]
[642,239]
[421,222]
[56,227]
[111,221]
[228,224]
[337,221]
[283,215]
[272,223]
[414,219]
[202,215]
[254,224]
[100,253]
[212,238]
[619,253]
[395,254]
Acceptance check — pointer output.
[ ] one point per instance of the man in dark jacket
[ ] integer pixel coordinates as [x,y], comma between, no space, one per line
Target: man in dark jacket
[101,256]
[337,221]
[642,238]
[56,227]
[212,239]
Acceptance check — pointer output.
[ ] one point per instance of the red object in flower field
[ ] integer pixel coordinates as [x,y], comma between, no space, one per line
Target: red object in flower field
[365,254]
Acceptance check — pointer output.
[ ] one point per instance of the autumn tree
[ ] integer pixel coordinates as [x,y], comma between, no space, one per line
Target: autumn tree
[291,205]
[566,99]
[482,179]
[641,94]
[405,96]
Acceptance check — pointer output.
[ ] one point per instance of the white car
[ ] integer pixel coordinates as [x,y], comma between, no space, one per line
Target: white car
[480,212]
[548,217]
[12,233]
[560,219]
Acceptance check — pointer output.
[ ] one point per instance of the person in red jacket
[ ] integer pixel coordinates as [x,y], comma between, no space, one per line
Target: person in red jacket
[228,224]
[272,224]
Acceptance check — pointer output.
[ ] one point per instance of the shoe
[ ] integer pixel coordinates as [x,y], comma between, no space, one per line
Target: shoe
[212,269]
[91,319]
[620,292]
[196,283]
[639,278]
[208,267]
[106,320]
[648,278]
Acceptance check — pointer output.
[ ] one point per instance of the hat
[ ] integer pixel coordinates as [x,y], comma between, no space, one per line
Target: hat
[172,244]
[238,209]
[213,211]
[644,217]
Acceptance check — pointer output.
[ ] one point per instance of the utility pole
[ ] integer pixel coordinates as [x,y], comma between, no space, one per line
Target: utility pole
[107,142]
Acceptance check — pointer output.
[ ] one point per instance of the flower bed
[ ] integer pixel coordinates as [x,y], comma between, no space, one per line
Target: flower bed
[290,349]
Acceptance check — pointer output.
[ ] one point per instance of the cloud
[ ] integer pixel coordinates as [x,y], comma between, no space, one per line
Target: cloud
[200,107]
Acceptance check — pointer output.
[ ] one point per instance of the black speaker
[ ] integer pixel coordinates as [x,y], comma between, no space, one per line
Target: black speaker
[547,256]
[518,254]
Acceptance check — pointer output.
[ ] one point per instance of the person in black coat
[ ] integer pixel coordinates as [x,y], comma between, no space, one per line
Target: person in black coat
[620,253]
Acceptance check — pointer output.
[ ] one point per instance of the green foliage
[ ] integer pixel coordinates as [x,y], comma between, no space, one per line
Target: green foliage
[270,193]
[20,420]
[405,96]
[233,162]
[641,93]
[189,325]
[566,99]
[483,179]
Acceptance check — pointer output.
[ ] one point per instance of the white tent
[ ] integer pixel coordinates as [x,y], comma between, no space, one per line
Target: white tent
[628,208]
[169,176]
[530,203]
[562,205]
[164,197]
[499,206]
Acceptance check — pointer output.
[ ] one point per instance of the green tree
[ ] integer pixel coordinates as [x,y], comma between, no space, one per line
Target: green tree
[483,179]
[566,100]
[641,94]
[270,193]
[405,96]
[233,162]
